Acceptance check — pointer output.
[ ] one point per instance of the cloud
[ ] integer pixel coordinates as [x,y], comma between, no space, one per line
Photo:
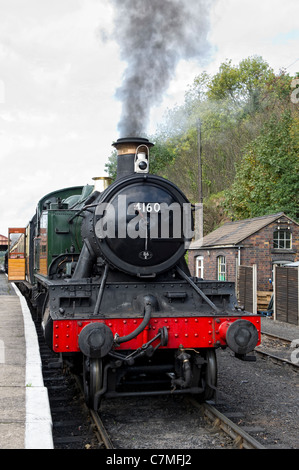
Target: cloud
[58,119]
[251,27]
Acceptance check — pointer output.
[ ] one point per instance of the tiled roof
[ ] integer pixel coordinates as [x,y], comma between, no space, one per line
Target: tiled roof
[232,233]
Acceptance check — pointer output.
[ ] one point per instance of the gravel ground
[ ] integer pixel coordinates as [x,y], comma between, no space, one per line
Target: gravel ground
[162,422]
[266,393]
[261,396]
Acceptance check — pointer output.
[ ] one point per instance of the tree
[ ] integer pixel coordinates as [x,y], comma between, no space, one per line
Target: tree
[227,105]
[235,107]
[267,180]
[111,165]
[241,84]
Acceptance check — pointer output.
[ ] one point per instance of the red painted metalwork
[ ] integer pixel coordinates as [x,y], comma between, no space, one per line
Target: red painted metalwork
[191,332]
[224,327]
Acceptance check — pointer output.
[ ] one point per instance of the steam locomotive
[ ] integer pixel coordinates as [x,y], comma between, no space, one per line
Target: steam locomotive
[105,271]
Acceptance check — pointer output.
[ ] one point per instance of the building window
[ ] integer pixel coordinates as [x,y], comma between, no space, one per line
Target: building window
[282,239]
[199,267]
[221,268]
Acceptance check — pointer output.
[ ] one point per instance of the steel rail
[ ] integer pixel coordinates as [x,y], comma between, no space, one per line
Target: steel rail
[101,429]
[273,336]
[277,359]
[96,419]
[242,439]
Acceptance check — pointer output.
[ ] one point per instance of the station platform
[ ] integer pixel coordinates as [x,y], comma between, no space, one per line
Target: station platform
[25,417]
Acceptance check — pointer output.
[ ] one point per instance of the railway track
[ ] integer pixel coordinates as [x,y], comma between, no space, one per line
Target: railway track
[241,439]
[218,420]
[277,349]
[87,430]
[72,425]
[75,427]
[103,434]
[213,417]
[212,430]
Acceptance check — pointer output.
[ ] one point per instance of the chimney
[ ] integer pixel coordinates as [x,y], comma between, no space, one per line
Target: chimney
[132,156]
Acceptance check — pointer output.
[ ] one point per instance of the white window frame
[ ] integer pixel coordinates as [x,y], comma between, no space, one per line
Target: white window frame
[282,237]
[221,268]
[199,266]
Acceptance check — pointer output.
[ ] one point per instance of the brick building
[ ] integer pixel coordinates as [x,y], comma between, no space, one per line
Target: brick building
[264,241]
[3,243]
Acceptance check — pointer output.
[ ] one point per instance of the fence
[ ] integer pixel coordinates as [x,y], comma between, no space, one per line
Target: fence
[247,287]
[286,294]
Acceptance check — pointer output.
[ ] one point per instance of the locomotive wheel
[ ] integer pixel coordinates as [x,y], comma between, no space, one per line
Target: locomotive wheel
[92,379]
[208,377]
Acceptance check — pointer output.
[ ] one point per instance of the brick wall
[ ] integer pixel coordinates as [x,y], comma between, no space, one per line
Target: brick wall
[256,249]
[210,262]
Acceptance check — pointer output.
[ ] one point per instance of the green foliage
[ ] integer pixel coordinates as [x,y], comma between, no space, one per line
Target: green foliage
[160,156]
[249,143]
[241,84]
[111,165]
[267,180]
[234,107]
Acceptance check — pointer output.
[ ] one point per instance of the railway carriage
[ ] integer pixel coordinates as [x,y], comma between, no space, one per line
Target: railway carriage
[105,270]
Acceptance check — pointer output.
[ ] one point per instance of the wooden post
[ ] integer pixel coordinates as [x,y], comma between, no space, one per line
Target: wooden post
[198,222]
[274,291]
[237,280]
[199,205]
[254,288]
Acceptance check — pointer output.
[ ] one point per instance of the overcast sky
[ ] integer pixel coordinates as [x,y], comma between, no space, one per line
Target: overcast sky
[60,68]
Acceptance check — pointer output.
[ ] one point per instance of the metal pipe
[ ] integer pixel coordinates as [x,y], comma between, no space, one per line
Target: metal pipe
[140,328]
[197,289]
[101,291]
[85,262]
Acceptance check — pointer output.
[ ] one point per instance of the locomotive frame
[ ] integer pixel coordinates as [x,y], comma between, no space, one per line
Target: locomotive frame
[126,312]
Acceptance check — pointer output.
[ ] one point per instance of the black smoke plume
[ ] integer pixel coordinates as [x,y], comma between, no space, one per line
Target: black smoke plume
[154,35]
